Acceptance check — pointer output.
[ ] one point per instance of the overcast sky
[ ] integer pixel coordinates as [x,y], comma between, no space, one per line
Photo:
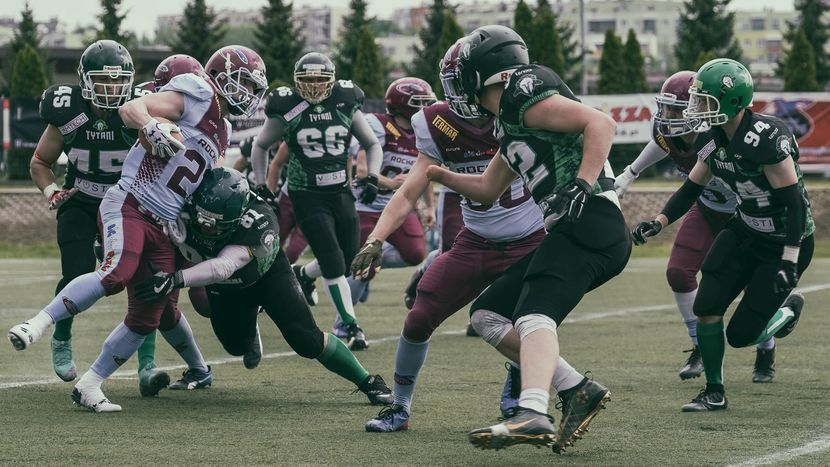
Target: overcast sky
[143,13]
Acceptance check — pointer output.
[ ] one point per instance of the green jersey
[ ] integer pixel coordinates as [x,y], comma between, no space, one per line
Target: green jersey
[546,161]
[759,140]
[317,135]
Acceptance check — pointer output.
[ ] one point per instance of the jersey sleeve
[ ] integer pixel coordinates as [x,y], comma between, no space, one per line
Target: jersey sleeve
[283,103]
[527,86]
[775,141]
[60,106]
[423,138]
[349,96]
[190,85]
[259,230]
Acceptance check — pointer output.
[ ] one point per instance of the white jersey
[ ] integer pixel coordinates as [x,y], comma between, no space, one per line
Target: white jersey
[162,185]
[514,215]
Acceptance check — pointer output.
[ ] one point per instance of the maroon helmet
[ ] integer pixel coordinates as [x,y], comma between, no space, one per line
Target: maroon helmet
[673,98]
[176,65]
[231,69]
[405,96]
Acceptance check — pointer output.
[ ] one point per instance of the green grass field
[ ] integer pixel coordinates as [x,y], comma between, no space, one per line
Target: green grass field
[290,411]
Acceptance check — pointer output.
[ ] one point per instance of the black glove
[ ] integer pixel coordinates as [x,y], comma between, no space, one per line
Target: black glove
[367,261]
[787,277]
[158,286]
[567,203]
[370,189]
[268,196]
[644,230]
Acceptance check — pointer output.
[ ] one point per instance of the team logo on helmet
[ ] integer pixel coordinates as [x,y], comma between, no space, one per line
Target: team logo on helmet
[241,56]
[726,82]
[410,88]
[163,68]
[526,85]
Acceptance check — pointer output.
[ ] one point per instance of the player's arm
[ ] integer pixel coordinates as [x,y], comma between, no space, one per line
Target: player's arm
[272,132]
[362,170]
[141,114]
[783,178]
[275,169]
[368,140]
[47,152]
[650,155]
[485,188]
[427,213]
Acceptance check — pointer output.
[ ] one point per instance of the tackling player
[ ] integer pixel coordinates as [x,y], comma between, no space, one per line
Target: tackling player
[766,246]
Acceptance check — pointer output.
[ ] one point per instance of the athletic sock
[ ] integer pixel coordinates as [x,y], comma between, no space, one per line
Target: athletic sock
[356,288]
[535,399]
[391,257]
[566,377]
[338,359]
[685,303]
[78,295]
[409,359]
[712,347]
[311,270]
[63,329]
[781,318]
[147,351]
[90,379]
[340,295]
[180,337]
[119,346]
[767,344]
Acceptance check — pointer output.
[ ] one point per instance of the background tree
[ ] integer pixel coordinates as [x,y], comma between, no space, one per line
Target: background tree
[110,21]
[367,65]
[704,57]
[25,35]
[545,44]
[278,41]
[572,53]
[635,76]
[812,21]
[351,35]
[523,21]
[612,69]
[705,26]
[28,81]
[200,31]
[427,55]
[800,65]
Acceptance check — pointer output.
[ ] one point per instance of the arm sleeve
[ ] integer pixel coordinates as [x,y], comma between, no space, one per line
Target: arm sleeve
[650,155]
[791,196]
[423,139]
[231,259]
[368,141]
[271,133]
[682,200]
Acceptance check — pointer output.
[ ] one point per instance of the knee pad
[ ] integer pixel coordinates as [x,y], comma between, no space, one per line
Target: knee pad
[307,343]
[534,322]
[681,280]
[491,326]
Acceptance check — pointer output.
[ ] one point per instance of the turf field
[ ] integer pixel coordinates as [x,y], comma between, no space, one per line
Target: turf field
[290,411]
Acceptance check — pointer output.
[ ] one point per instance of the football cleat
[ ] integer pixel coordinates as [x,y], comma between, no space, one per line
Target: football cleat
[526,427]
[391,418]
[252,357]
[151,380]
[509,402]
[24,334]
[193,379]
[794,302]
[338,329]
[62,359]
[764,370]
[376,390]
[307,285]
[412,289]
[694,364]
[707,400]
[93,399]
[355,338]
[579,407]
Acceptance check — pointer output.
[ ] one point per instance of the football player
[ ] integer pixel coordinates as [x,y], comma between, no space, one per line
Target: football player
[83,122]
[766,246]
[230,233]
[150,194]
[672,136]
[317,118]
[559,147]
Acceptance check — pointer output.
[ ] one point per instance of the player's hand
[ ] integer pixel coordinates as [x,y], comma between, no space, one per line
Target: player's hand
[567,203]
[644,230]
[265,193]
[159,285]
[370,189]
[367,261]
[436,173]
[624,180]
[160,137]
[787,277]
[427,216]
[57,196]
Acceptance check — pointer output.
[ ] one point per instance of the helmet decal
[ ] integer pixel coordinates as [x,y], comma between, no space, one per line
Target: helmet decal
[241,56]
[726,82]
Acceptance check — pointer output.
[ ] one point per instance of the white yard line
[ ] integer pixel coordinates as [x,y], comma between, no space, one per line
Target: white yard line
[818,445]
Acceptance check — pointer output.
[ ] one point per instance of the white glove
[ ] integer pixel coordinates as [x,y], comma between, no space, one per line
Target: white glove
[160,138]
[624,180]
[56,196]
[176,231]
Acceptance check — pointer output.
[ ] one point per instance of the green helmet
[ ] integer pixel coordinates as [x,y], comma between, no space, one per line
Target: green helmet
[721,88]
[216,207]
[106,72]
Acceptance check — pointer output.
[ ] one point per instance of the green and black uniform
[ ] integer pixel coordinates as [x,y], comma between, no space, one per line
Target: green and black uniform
[318,137]
[575,257]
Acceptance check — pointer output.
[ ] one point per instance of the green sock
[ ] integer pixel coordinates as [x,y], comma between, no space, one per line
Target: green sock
[780,319]
[336,297]
[337,358]
[147,351]
[63,329]
[712,345]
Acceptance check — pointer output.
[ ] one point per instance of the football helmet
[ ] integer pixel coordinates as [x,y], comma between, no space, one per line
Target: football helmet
[239,76]
[722,88]
[215,209]
[486,56]
[176,65]
[314,77]
[405,96]
[672,100]
[106,73]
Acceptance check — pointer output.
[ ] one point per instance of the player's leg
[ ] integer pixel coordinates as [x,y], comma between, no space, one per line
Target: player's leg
[291,237]
[347,235]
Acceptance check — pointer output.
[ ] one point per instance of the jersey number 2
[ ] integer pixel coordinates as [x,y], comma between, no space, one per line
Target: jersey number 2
[185,172]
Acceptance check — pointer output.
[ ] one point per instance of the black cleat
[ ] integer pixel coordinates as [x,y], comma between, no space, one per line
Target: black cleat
[694,365]
[707,400]
[579,407]
[764,370]
[526,427]
[307,285]
[355,338]
[252,357]
[376,390]
[794,302]
[412,289]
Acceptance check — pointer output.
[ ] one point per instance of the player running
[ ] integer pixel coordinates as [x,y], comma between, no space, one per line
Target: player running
[766,246]
[317,118]
[150,193]
[560,148]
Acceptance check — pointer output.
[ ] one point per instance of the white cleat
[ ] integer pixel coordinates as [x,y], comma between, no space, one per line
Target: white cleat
[94,399]
[23,335]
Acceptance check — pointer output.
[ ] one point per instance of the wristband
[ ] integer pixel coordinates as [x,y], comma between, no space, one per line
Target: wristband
[50,190]
[790,253]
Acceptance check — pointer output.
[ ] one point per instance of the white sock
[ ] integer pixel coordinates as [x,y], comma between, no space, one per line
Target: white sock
[535,399]
[565,377]
[685,303]
[341,296]
[312,270]
[90,379]
[180,337]
[40,322]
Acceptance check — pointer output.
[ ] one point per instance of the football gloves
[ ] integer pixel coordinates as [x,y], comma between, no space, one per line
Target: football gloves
[270,198]
[160,137]
[567,203]
[644,230]
[787,277]
[56,196]
[624,180]
[370,189]
[367,261]
[159,285]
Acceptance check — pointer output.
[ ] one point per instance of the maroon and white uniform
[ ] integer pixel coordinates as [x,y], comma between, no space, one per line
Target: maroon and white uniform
[493,237]
[292,240]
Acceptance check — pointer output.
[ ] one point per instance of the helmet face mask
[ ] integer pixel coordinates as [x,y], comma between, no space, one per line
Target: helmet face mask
[215,209]
[669,117]
[106,74]
[314,77]
[703,111]
[239,76]
[722,88]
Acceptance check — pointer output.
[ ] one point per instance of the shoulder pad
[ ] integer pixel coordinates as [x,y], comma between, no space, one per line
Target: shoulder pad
[348,92]
[768,140]
[62,106]
[528,85]
[284,103]
[263,231]
[190,84]
[424,142]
